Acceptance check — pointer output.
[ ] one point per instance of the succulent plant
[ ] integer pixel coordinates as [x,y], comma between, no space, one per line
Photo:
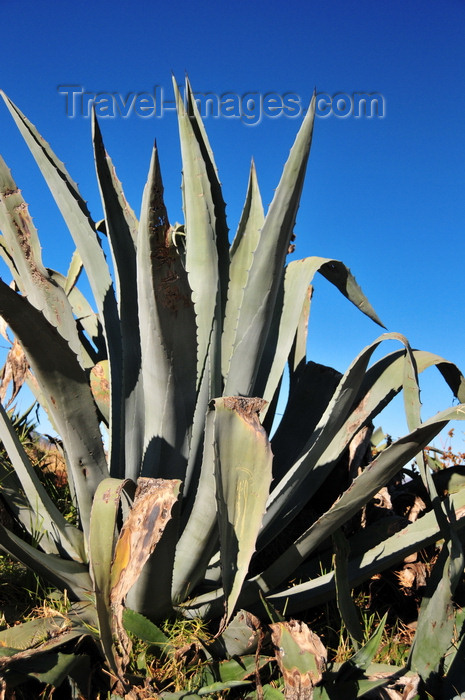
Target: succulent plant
[180,355]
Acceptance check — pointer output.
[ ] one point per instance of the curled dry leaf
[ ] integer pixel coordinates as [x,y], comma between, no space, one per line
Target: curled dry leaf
[15,370]
[403,688]
[413,575]
[3,329]
[416,508]
[142,530]
[383,499]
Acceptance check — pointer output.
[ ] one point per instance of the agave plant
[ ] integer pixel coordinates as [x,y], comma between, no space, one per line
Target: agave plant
[181,355]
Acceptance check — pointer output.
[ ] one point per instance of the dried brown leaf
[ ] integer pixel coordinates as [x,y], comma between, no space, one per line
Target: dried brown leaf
[15,371]
[403,688]
[142,530]
[301,657]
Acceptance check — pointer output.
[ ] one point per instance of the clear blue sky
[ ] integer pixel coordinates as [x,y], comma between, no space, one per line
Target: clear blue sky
[386,196]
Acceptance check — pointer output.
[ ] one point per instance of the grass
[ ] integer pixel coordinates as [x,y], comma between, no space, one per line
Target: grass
[26,597]
[397,636]
[21,592]
[178,671]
